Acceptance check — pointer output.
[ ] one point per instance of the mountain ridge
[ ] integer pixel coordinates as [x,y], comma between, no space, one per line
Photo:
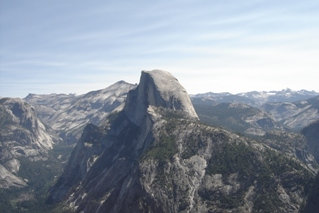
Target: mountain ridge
[160,89]
[164,160]
[68,114]
[294,115]
[258,98]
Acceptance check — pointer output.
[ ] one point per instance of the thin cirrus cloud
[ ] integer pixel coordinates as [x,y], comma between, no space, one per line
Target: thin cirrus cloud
[209,45]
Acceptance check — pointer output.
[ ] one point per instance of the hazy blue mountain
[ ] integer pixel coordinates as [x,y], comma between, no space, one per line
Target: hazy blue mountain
[256,98]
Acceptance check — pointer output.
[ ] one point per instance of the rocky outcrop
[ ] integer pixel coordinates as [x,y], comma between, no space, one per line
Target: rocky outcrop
[160,89]
[69,114]
[8,179]
[155,156]
[83,157]
[22,135]
[133,125]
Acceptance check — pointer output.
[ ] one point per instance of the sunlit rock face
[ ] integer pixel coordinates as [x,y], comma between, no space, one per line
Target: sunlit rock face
[160,89]
[22,135]
[68,114]
[155,156]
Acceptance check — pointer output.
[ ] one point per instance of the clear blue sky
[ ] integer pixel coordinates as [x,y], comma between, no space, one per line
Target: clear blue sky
[75,46]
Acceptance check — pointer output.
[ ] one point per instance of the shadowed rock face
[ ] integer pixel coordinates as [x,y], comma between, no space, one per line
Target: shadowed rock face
[160,89]
[127,137]
[154,156]
[312,204]
[311,133]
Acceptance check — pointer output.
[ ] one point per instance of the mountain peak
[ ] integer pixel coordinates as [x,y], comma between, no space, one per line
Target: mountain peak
[119,83]
[160,89]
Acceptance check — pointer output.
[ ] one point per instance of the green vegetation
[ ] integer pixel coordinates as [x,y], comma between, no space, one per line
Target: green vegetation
[228,159]
[263,170]
[164,150]
[225,116]
[192,144]
[231,158]
[165,146]
[41,175]
[283,141]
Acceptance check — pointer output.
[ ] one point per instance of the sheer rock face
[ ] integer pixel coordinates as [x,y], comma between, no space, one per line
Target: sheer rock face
[154,156]
[20,126]
[22,134]
[130,133]
[311,134]
[160,89]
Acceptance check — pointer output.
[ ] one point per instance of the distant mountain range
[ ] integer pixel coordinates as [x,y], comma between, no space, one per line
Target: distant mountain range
[255,111]
[281,109]
[256,98]
[69,114]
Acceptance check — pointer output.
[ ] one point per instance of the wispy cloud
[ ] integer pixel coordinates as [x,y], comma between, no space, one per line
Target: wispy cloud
[208,45]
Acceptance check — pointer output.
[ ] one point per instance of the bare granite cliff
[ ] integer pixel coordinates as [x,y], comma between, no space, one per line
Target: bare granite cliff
[155,156]
[22,135]
[160,89]
[69,114]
